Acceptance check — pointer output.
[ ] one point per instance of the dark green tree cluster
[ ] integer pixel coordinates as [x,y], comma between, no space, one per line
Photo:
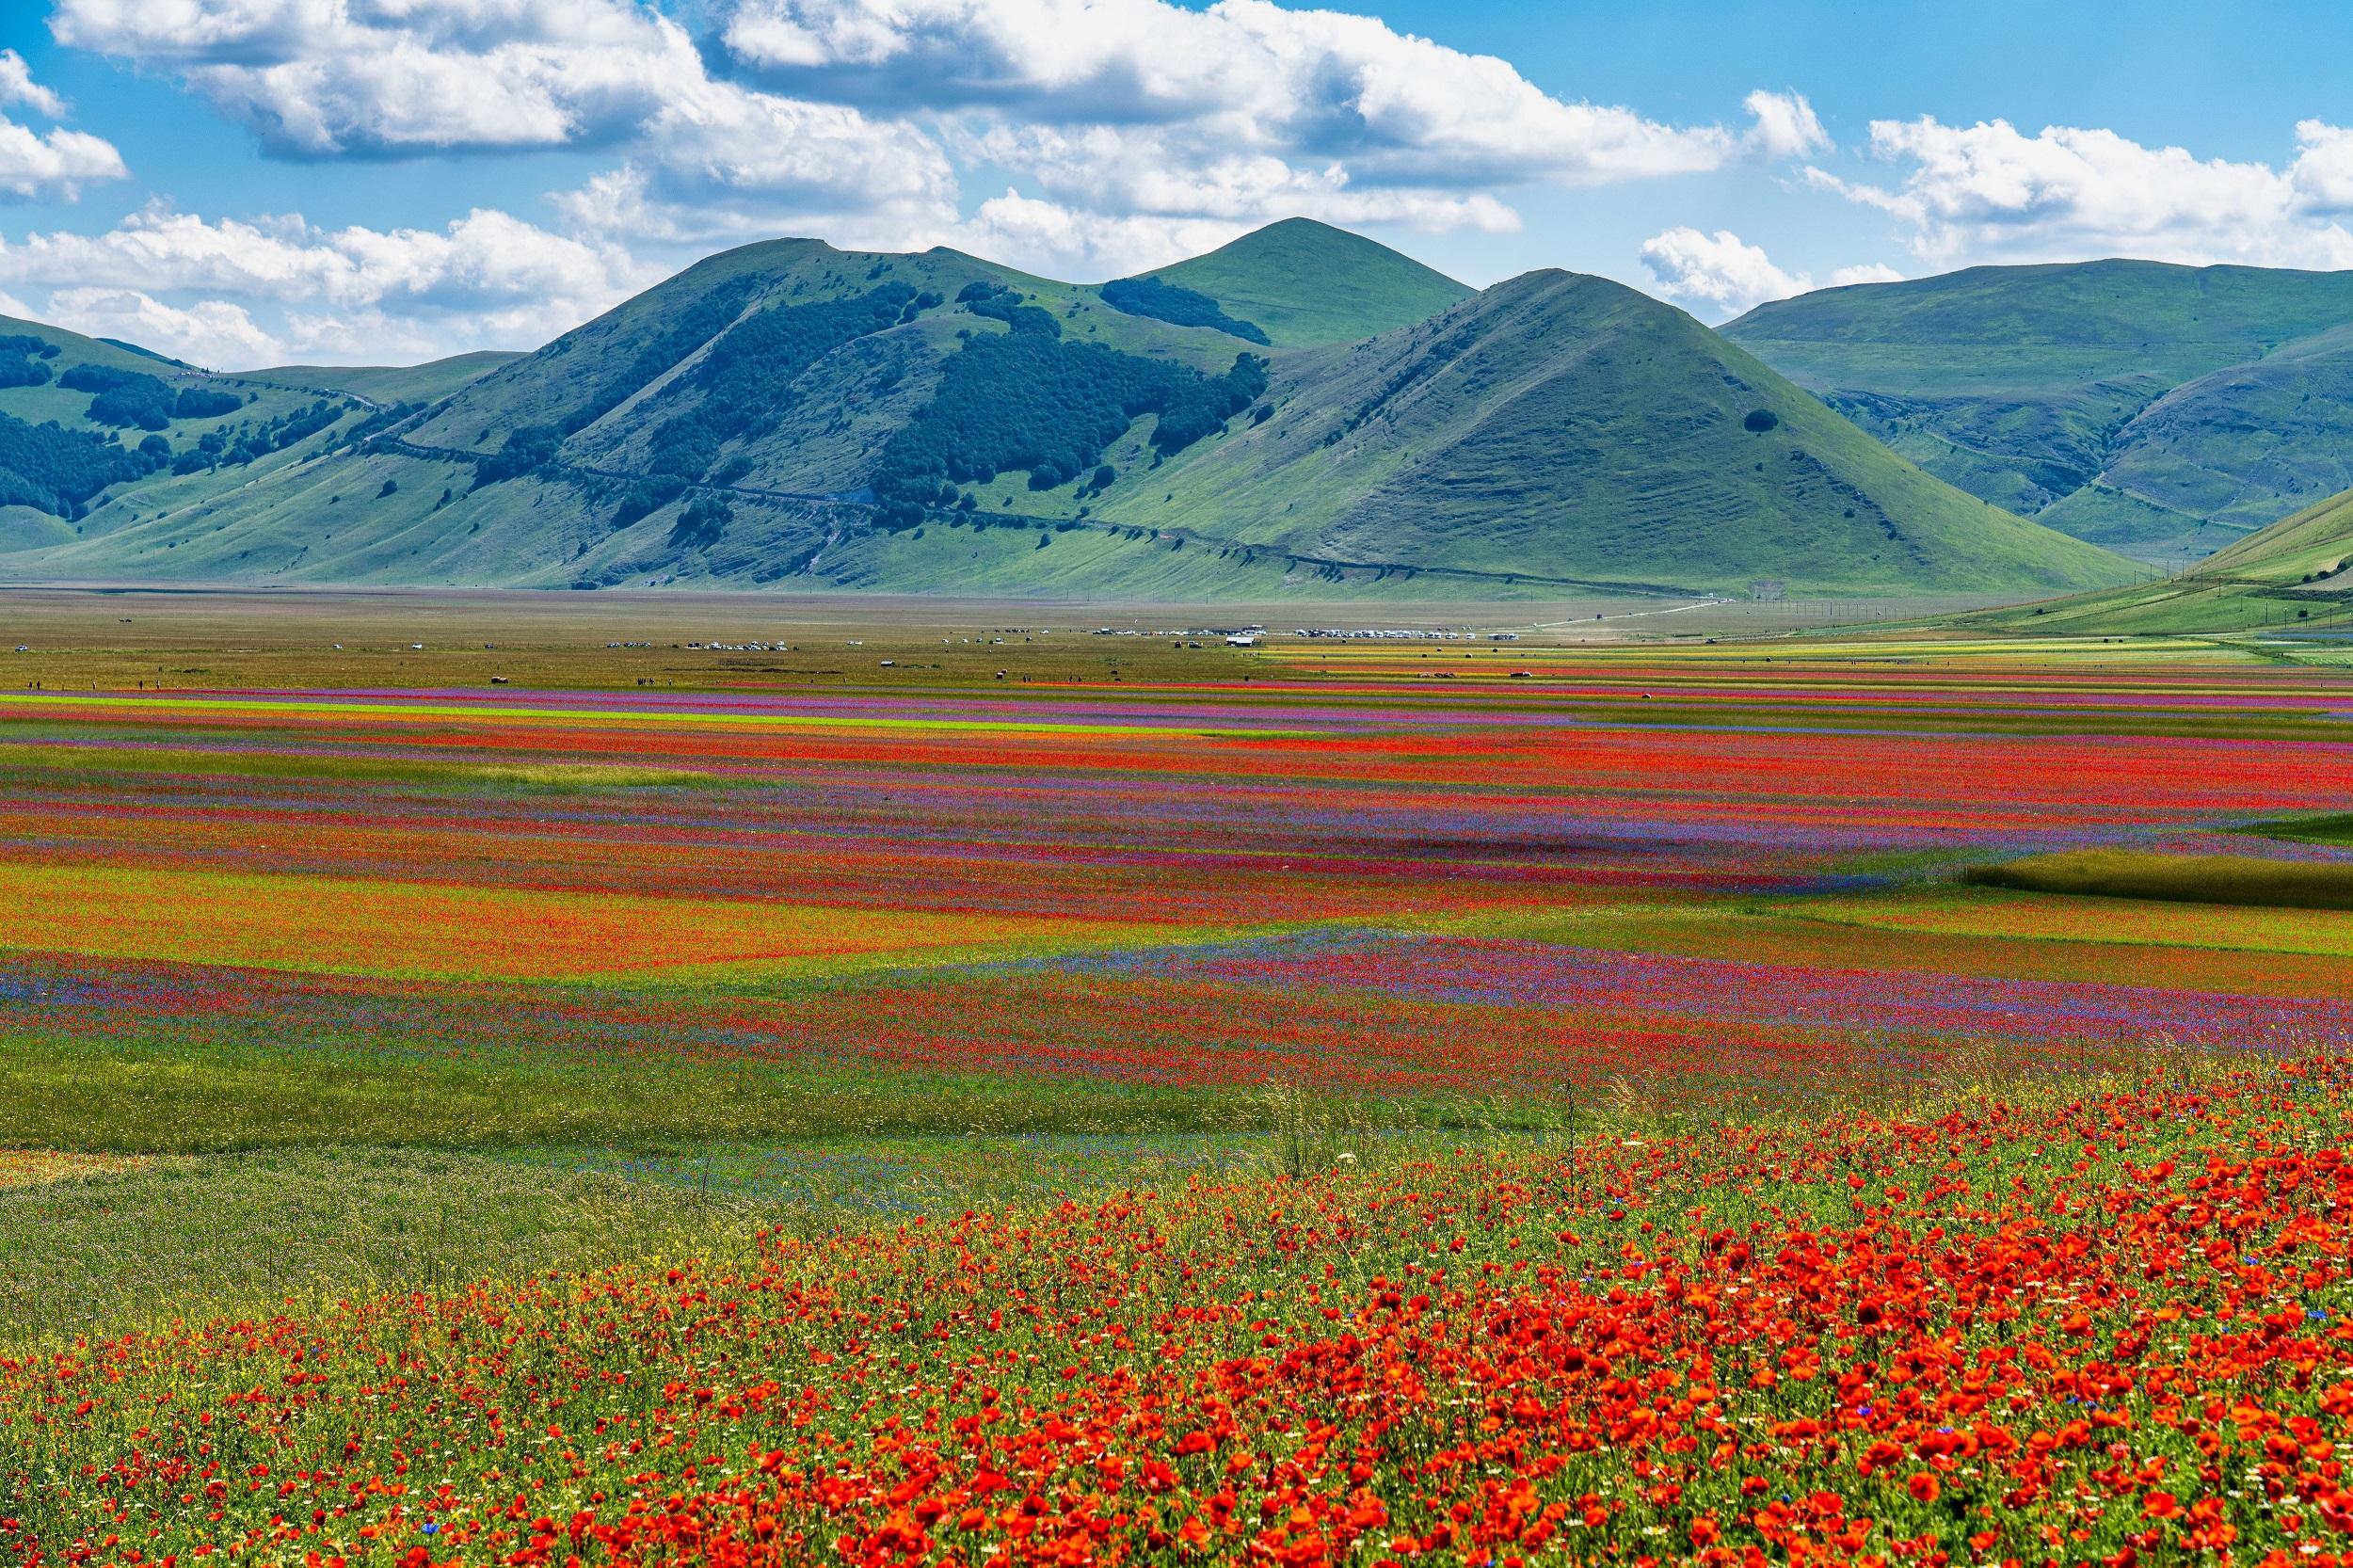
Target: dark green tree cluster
[122,398]
[233,447]
[204,403]
[640,498]
[745,380]
[532,446]
[23,360]
[700,524]
[295,426]
[57,470]
[1179,307]
[129,397]
[209,451]
[1025,320]
[1195,406]
[1017,401]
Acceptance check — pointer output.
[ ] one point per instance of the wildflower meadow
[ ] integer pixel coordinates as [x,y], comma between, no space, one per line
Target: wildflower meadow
[1812,1101]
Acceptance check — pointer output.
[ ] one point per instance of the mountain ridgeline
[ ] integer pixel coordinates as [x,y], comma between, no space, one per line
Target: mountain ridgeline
[1300,413]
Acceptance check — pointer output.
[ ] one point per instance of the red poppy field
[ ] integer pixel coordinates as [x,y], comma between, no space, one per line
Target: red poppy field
[1310,1112]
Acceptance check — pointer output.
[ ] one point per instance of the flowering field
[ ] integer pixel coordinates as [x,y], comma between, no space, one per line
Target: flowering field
[2092,1328]
[1572,1108]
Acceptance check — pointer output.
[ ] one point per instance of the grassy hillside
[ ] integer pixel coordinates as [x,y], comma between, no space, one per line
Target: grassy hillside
[1308,284]
[2296,576]
[792,413]
[2162,410]
[93,433]
[1562,426]
[687,385]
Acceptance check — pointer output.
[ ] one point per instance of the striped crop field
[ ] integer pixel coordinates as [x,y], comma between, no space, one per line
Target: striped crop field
[1350,1104]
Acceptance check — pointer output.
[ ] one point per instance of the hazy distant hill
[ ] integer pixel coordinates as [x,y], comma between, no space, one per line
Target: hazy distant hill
[2162,410]
[2295,575]
[387,384]
[788,412]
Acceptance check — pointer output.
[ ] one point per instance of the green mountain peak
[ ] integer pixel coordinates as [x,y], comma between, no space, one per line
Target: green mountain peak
[1309,284]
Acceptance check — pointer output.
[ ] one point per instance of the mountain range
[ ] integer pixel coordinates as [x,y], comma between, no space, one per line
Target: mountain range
[1303,413]
[2163,412]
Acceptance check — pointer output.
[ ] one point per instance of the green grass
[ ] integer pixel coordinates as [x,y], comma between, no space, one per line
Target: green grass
[65,542]
[2307,830]
[74,349]
[212,1234]
[198,1096]
[2176,879]
[264,1181]
[206,1238]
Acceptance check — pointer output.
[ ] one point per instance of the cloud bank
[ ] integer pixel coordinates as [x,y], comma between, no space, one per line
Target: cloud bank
[1087,138]
[57,162]
[1989,192]
[1130,132]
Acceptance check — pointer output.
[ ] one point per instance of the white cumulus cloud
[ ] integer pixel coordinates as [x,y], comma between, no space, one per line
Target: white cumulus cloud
[1317,83]
[326,76]
[705,158]
[1166,172]
[17,86]
[54,163]
[1144,113]
[1719,273]
[1131,133]
[487,280]
[59,163]
[1722,274]
[2323,170]
[720,163]
[1989,192]
[211,332]
[1784,126]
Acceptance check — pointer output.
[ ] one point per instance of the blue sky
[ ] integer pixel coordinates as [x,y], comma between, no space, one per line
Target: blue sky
[242,181]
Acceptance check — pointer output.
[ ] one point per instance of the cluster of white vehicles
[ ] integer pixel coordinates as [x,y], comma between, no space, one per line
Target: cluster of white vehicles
[1401,635]
[1249,637]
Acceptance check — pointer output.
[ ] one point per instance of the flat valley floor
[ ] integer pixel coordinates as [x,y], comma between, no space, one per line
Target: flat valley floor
[683,1080]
